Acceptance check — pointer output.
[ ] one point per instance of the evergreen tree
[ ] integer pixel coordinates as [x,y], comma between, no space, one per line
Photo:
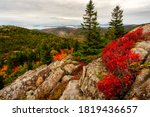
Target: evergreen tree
[31,56]
[116,28]
[90,27]
[45,55]
[110,35]
[76,45]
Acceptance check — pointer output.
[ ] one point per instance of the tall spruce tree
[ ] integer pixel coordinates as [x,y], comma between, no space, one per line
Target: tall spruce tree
[116,28]
[91,27]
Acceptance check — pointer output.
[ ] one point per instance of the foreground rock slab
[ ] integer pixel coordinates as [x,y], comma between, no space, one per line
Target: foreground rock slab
[140,89]
[73,92]
[90,76]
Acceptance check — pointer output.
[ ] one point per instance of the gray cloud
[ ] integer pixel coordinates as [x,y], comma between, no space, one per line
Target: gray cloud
[59,12]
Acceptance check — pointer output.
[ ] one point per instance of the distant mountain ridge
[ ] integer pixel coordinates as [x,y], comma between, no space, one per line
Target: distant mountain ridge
[106,25]
[75,30]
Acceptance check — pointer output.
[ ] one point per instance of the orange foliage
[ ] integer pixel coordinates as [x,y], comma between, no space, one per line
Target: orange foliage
[62,54]
[59,56]
[17,68]
[4,68]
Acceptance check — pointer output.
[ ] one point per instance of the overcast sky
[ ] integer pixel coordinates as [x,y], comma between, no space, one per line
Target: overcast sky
[30,13]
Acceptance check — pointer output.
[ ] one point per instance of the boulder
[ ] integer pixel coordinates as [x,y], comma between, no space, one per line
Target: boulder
[146,28]
[144,45]
[90,76]
[57,91]
[26,82]
[148,59]
[141,87]
[73,92]
[39,81]
[141,52]
[30,95]
[66,78]
[49,83]
[69,68]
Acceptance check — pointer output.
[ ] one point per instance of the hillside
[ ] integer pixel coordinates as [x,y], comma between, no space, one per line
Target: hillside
[22,49]
[14,38]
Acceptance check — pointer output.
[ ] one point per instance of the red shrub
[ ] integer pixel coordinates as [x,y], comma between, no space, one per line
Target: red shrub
[135,35]
[110,86]
[117,58]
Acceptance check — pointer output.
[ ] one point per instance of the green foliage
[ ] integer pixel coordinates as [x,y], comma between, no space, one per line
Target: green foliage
[16,59]
[14,38]
[20,40]
[30,65]
[28,49]
[45,53]
[13,76]
[147,64]
[80,55]
[116,28]
[76,45]
[110,34]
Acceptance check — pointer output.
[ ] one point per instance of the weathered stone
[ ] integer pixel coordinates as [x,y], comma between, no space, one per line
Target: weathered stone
[66,78]
[39,81]
[49,83]
[30,95]
[26,82]
[148,59]
[73,92]
[69,68]
[142,76]
[57,91]
[141,87]
[146,28]
[141,52]
[56,64]
[144,45]
[90,77]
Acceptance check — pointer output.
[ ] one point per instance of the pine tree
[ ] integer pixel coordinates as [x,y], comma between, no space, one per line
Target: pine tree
[45,55]
[116,28]
[110,35]
[90,26]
